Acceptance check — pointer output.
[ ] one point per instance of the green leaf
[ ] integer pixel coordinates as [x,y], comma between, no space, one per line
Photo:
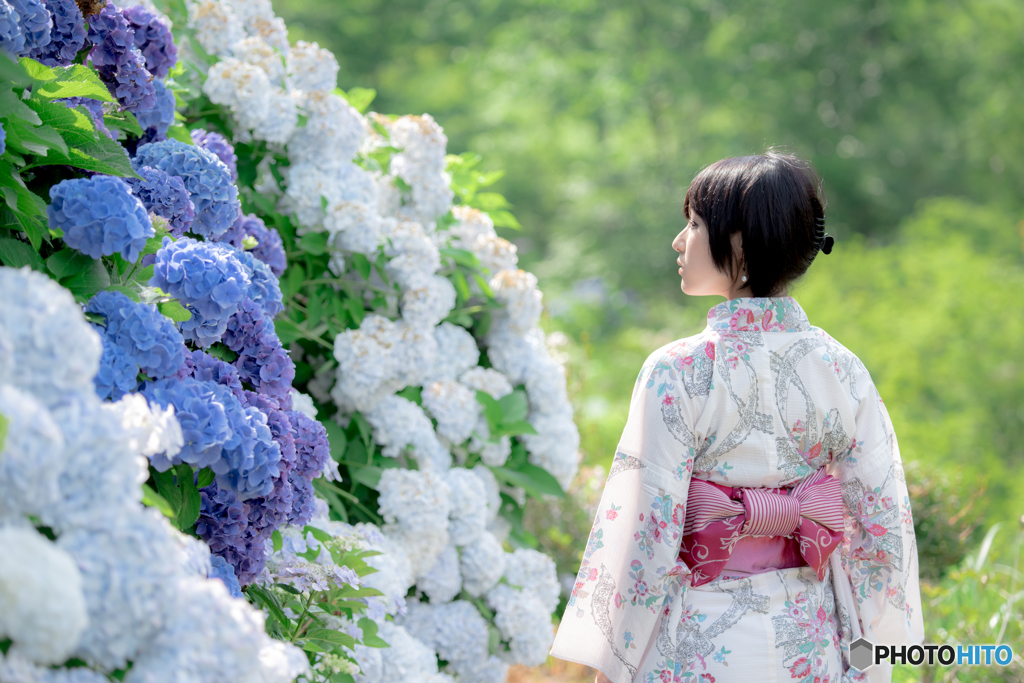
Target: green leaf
[86,149]
[513,428]
[318,534]
[13,71]
[151,498]
[123,120]
[336,438]
[368,476]
[292,280]
[362,265]
[314,308]
[74,81]
[15,254]
[504,219]
[37,71]
[359,98]
[277,540]
[4,422]
[514,406]
[414,394]
[87,282]
[11,105]
[175,311]
[127,291]
[462,257]
[270,600]
[485,288]
[461,286]
[68,262]
[287,589]
[330,636]
[534,480]
[370,637]
[167,488]
[204,478]
[492,409]
[219,350]
[38,140]
[191,502]
[355,309]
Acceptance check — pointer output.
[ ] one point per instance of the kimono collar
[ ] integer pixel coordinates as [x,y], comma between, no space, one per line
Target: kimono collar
[758,314]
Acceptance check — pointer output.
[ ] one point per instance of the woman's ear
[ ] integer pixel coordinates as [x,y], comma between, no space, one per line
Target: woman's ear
[738,260]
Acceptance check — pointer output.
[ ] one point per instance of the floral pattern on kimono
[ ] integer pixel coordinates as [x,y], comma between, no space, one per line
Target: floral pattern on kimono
[759,398]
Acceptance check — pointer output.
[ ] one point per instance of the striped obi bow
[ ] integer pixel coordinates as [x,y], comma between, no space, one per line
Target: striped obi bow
[718,516]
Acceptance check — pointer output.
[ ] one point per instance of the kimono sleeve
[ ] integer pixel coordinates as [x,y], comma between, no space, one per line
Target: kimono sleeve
[879,553]
[630,573]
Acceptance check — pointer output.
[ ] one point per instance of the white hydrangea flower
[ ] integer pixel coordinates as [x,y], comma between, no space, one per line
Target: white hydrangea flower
[256,51]
[492,453]
[281,119]
[128,579]
[247,10]
[534,572]
[457,352]
[468,515]
[354,226]
[272,30]
[494,253]
[428,300]
[492,491]
[442,582]
[148,429]
[523,622]
[211,637]
[455,408]
[366,368]
[413,254]
[487,380]
[546,388]
[482,564]
[243,88]
[489,670]
[371,664]
[501,528]
[398,423]
[33,454]
[49,350]
[334,129]
[42,608]
[470,224]
[415,353]
[334,180]
[336,263]
[311,67]
[555,446]
[455,630]
[216,26]
[517,291]
[407,659]
[414,499]
[431,197]
[302,403]
[421,140]
[193,556]
[514,354]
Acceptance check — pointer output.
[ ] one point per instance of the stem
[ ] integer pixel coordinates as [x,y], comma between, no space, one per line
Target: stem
[302,617]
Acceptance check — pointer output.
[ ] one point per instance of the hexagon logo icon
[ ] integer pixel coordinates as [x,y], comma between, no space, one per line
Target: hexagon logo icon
[862,654]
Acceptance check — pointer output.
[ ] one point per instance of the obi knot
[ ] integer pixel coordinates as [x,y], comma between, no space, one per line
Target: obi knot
[718,516]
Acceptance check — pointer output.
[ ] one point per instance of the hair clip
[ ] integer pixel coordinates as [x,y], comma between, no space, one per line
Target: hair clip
[823,240]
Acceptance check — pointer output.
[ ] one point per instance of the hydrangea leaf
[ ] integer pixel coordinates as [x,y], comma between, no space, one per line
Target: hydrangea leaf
[87,282]
[514,428]
[315,243]
[87,150]
[175,311]
[370,637]
[38,140]
[15,254]
[492,410]
[168,490]
[180,133]
[222,352]
[123,120]
[534,480]
[204,478]
[13,71]
[3,431]
[11,105]
[270,600]
[76,80]
[359,98]
[327,635]
[514,406]
[368,476]
[318,534]
[68,262]
[362,265]
[191,502]
[127,291]
[461,256]
[277,540]
[151,498]
[36,70]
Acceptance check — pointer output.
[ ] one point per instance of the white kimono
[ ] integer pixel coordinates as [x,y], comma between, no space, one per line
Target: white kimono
[760,398]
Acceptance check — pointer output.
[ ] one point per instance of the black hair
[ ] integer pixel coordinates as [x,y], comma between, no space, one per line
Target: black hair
[773,200]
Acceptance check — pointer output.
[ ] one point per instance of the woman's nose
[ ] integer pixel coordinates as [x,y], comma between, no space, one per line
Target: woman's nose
[679,243]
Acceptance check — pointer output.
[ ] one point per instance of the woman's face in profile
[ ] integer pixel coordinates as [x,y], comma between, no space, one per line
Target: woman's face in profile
[700,276]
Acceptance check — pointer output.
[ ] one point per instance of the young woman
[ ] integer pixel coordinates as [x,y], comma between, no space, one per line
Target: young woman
[755,520]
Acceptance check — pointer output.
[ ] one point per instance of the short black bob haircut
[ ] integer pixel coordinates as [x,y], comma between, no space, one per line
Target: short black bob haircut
[773,200]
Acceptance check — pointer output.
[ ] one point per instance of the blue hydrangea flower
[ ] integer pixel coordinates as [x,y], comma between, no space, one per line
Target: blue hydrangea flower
[99,217]
[118,373]
[220,569]
[132,85]
[223,523]
[262,362]
[153,37]
[269,247]
[93,107]
[219,145]
[207,279]
[264,290]
[67,34]
[166,196]
[156,120]
[250,459]
[152,341]
[34,20]
[205,367]
[118,62]
[3,139]
[206,178]
[280,426]
[204,411]
[311,446]
[12,40]
[303,500]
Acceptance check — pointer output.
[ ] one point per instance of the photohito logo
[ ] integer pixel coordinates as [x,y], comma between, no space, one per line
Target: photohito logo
[864,654]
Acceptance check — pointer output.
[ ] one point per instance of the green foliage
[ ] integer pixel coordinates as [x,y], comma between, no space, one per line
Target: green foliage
[177,493]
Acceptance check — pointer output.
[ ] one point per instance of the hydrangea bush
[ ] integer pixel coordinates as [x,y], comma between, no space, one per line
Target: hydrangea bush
[320,476]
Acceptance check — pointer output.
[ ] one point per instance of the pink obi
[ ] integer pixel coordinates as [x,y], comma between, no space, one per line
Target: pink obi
[766,528]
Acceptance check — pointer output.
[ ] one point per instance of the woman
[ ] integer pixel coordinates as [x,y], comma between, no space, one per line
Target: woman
[756,519]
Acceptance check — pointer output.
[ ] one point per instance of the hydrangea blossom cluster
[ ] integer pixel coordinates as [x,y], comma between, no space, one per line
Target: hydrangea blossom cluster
[118,61]
[153,39]
[99,216]
[67,34]
[24,27]
[218,144]
[118,584]
[269,248]
[164,195]
[155,120]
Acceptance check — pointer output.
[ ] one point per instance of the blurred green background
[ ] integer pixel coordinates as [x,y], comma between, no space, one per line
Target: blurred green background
[912,112]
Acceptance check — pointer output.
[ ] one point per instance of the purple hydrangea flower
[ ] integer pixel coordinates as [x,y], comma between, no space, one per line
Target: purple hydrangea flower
[153,37]
[206,178]
[99,217]
[280,426]
[119,63]
[269,247]
[303,500]
[264,290]
[95,110]
[204,410]
[156,120]
[35,21]
[250,461]
[118,373]
[132,85]
[310,576]
[166,196]
[3,139]
[262,362]
[223,524]
[67,34]
[220,569]
[203,366]
[311,445]
[150,339]
[219,145]
[12,40]
[207,279]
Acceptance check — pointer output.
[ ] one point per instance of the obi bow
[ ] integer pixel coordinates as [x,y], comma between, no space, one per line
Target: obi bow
[717,516]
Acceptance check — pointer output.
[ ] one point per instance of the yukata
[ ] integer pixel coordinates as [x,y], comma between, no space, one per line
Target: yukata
[759,400]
